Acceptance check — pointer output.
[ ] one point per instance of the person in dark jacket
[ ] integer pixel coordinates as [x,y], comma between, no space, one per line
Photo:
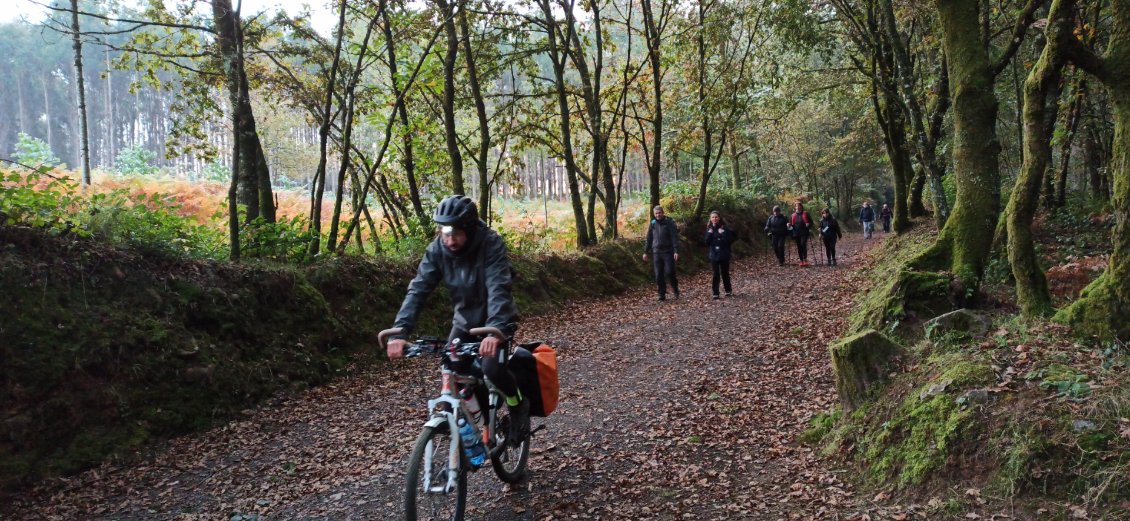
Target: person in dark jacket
[801,225]
[778,228]
[718,239]
[829,233]
[470,259]
[885,215]
[663,245]
[867,219]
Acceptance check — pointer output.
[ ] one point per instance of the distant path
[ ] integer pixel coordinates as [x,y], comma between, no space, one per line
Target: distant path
[686,409]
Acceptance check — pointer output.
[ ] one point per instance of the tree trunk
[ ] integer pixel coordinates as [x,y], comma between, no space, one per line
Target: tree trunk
[409,162]
[652,31]
[480,112]
[915,205]
[558,57]
[347,135]
[255,186]
[1104,307]
[319,182]
[967,237]
[1031,285]
[80,87]
[447,10]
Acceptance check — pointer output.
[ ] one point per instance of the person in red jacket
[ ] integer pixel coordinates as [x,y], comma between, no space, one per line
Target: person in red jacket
[801,225]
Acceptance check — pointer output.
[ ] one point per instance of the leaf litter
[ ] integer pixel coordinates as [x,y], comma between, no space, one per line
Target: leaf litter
[684,409]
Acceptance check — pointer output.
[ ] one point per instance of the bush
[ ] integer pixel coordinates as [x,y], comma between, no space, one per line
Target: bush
[25,200]
[136,160]
[150,224]
[34,152]
[282,241]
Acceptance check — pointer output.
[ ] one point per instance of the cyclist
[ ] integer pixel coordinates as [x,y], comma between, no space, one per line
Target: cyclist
[470,259]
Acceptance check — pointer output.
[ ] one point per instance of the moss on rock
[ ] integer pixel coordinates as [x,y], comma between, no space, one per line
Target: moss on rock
[861,362]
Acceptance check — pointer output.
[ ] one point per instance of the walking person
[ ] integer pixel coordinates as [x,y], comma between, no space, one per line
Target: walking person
[778,228]
[718,238]
[867,219]
[663,244]
[801,225]
[885,215]
[829,233]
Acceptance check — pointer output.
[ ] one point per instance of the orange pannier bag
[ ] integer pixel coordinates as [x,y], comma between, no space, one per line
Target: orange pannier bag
[534,366]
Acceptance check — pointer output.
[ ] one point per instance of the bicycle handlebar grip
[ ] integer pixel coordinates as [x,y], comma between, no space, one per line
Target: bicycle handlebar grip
[383,335]
[484,331]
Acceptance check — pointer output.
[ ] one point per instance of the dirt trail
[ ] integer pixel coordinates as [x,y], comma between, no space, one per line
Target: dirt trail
[685,409]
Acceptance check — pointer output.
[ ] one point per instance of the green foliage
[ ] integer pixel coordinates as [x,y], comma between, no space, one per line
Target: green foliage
[38,200]
[35,152]
[151,224]
[136,160]
[281,241]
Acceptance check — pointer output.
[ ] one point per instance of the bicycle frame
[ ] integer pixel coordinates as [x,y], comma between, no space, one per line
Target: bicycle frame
[442,408]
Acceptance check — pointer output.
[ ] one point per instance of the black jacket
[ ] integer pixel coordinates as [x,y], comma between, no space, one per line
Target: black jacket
[718,239]
[777,225]
[478,278]
[662,237]
[830,229]
[866,214]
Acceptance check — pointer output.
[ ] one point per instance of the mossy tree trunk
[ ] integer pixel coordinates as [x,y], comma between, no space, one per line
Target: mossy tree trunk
[967,238]
[1031,285]
[1104,307]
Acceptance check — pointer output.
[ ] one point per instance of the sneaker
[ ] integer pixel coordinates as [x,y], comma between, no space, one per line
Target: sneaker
[729,294]
[519,423]
[716,297]
[676,295]
[662,298]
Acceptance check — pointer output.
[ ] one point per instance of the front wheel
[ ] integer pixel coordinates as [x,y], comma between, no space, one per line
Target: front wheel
[435,491]
[508,459]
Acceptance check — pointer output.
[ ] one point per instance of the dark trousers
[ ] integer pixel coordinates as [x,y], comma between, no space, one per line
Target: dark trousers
[494,368]
[802,246]
[664,264]
[830,249]
[778,247]
[721,271]
[886,224]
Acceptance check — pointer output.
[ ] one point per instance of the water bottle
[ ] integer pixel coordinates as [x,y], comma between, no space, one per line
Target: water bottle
[471,444]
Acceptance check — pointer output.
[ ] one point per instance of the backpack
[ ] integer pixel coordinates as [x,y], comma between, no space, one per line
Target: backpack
[534,366]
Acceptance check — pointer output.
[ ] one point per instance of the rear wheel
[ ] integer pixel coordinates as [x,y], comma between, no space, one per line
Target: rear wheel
[509,461]
[430,495]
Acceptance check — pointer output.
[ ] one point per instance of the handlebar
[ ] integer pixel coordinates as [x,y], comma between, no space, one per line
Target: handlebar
[382,337]
[432,345]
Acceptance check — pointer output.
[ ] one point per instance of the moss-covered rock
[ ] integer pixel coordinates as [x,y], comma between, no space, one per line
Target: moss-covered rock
[970,324]
[861,362]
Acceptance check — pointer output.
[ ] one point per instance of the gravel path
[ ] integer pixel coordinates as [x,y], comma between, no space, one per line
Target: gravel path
[685,409]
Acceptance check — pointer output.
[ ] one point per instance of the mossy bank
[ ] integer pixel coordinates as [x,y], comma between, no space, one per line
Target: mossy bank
[1025,419]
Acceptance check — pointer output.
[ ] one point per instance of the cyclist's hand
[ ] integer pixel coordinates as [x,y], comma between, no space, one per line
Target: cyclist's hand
[489,347]
[396,348]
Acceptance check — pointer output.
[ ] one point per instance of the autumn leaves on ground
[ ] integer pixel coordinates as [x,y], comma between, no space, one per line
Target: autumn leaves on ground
[685,409]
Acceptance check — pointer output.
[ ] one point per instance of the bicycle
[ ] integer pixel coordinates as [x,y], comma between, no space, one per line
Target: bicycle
[438,466]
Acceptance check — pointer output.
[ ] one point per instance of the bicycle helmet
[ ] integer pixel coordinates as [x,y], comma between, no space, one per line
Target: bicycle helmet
[458,211]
